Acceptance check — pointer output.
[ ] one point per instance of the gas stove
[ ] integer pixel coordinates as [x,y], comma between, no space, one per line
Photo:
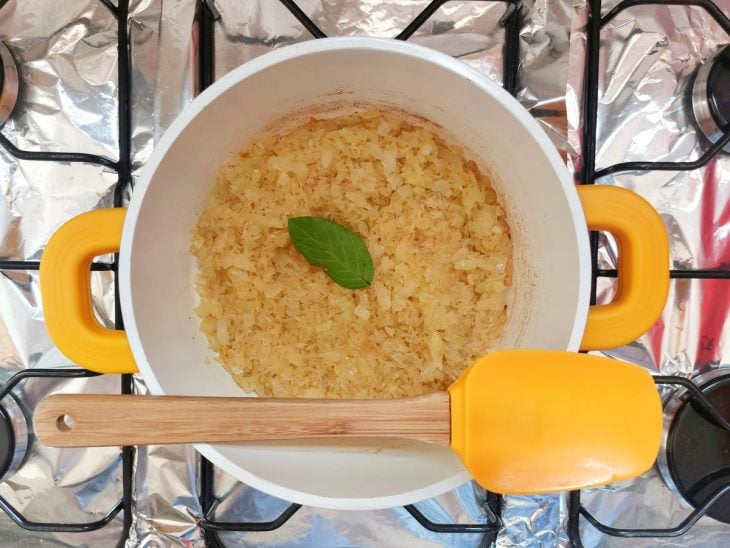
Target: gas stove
[633,92]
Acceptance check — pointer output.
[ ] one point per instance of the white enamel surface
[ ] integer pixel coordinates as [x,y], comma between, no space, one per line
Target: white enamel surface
[551,246]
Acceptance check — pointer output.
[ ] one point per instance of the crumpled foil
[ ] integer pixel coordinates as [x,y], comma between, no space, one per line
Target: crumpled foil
[67,63]
[649,55]
[66,58]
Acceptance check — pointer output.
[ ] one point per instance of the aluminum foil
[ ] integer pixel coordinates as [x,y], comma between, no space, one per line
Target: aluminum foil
[66,57]
[67,62]
[63,485]
[649,55]
[164,48]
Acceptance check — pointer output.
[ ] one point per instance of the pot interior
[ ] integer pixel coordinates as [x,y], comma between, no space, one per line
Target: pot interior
[551,270]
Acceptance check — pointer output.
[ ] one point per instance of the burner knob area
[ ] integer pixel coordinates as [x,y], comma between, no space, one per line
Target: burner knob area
[718,88]
[13,437]
[698,449]
[711,96]
[8,83]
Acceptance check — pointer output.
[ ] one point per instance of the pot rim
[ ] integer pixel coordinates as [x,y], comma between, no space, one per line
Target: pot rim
[313,47]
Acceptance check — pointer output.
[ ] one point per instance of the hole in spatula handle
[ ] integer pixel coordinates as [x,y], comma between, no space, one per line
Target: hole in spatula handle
[65,423]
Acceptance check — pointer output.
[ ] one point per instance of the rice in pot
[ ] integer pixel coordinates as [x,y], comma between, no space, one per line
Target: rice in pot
[431,221]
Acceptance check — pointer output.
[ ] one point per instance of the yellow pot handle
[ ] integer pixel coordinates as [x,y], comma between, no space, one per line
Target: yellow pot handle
[66,292]
[643,265]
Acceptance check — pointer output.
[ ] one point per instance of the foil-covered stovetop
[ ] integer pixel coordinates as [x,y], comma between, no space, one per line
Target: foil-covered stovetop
[69,102]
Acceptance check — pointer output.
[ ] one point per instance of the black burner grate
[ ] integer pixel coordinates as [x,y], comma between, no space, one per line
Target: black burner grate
[698,475]
[589,175]
[14,514]
[124,180]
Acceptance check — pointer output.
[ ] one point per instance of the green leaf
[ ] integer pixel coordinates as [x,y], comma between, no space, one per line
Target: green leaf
[340,251]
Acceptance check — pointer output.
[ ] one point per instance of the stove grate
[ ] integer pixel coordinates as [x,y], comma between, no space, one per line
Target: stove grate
[124,182]
[588,175]
[8,508]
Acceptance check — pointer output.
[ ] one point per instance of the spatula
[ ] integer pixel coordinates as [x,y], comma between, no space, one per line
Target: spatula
[521,421]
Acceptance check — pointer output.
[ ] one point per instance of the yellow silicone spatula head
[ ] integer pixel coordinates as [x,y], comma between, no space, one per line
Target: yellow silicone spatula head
[538,421]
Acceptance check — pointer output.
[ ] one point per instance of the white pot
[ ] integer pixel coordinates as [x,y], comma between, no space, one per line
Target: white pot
[552,267]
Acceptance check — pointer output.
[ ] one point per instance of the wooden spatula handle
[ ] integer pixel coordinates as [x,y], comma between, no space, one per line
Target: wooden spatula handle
[84,420]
